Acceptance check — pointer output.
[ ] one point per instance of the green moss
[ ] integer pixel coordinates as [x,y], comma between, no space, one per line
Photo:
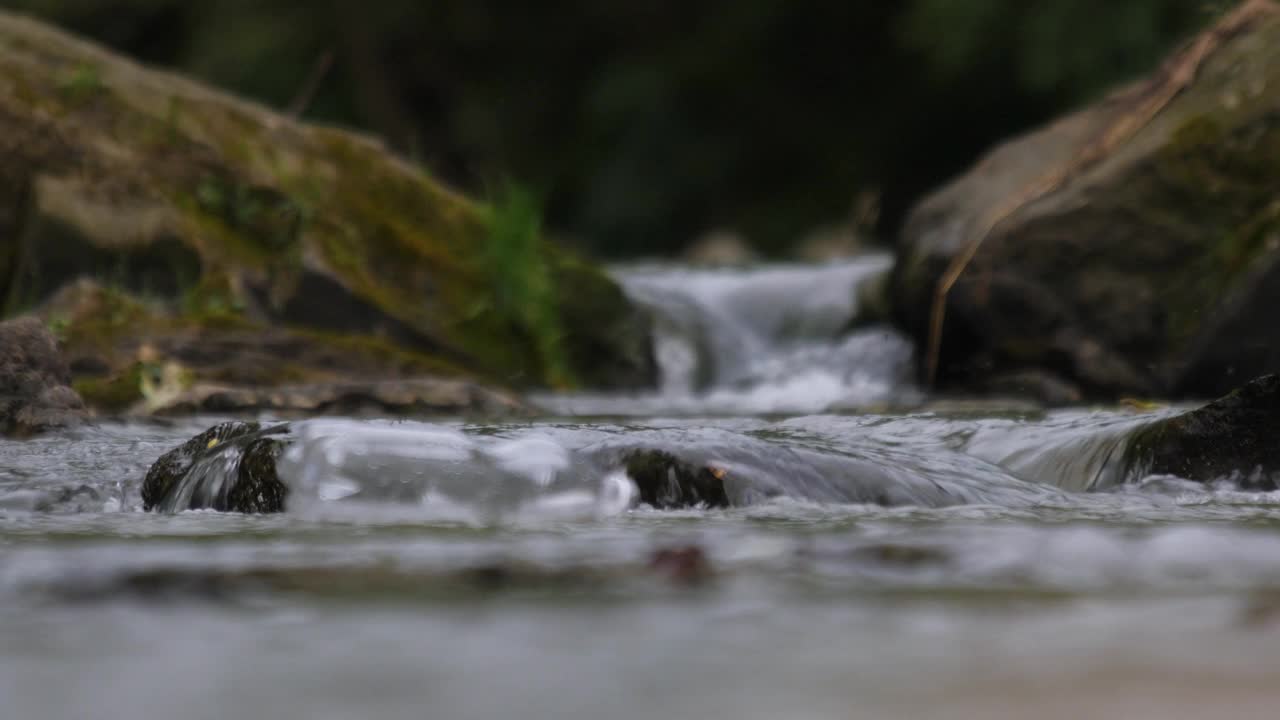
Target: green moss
[269,220]
[415,252]
[213,300]
[81,83]
[523,289]
[112,394]
[109,314]
[237,209]
[381,353]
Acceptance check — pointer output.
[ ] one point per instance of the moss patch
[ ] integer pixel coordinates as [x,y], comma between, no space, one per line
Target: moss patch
[115,394]
[231,219]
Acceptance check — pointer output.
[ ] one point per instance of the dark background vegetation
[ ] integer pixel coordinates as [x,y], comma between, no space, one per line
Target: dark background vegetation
[643,123]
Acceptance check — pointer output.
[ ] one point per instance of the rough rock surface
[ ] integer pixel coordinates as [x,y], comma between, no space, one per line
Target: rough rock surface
[154,219]
[35,392]
[1131,248]
[1236,437]
[253,486]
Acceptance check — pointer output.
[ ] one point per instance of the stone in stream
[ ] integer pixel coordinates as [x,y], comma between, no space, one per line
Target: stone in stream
[1236,437]
[35,394]
[162,223]
[665,481]
[1131,248]
[249,484]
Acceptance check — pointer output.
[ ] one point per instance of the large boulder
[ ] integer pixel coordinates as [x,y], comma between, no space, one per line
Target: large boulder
[1132,247]
[155,220]
[35,394]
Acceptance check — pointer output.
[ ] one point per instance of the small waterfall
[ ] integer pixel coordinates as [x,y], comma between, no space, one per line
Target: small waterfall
[782,338]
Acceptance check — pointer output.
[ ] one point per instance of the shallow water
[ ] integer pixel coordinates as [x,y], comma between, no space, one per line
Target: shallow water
[1160,599]
[1005,567]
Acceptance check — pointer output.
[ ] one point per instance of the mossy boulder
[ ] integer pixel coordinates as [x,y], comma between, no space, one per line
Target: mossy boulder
[1132,247]
[209,226]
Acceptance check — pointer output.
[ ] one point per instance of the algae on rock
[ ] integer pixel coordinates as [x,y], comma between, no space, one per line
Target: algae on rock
[226,220]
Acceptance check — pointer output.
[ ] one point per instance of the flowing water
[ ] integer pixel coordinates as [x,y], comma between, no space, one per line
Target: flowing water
[875,563]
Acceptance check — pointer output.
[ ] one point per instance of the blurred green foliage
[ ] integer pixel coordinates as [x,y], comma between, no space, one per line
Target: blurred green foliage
[645,122]
[523,291]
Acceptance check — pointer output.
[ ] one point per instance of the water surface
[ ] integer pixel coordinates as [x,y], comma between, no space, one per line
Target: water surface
[878,564]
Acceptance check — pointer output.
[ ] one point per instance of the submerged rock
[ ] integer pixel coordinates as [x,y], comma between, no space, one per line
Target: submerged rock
[230,467]
[1131,248]
[255,250]
[1235,438]
[35,392]
[685,566]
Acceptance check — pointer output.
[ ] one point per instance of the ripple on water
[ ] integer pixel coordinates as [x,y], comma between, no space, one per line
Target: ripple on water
[1104,600]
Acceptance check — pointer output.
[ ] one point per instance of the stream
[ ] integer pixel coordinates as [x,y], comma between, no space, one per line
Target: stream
[883,555]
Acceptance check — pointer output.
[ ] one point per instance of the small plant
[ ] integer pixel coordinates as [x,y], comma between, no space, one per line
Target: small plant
[58,325]
[81,82]
[523,289]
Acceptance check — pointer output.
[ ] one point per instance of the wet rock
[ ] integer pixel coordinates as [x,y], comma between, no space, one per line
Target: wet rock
[247,481]
[1234,438]
[1132,248]
[255,250]
[35,394]
[665,481]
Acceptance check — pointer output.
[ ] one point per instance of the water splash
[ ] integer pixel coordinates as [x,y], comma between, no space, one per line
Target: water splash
[773,339]
[423,471]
